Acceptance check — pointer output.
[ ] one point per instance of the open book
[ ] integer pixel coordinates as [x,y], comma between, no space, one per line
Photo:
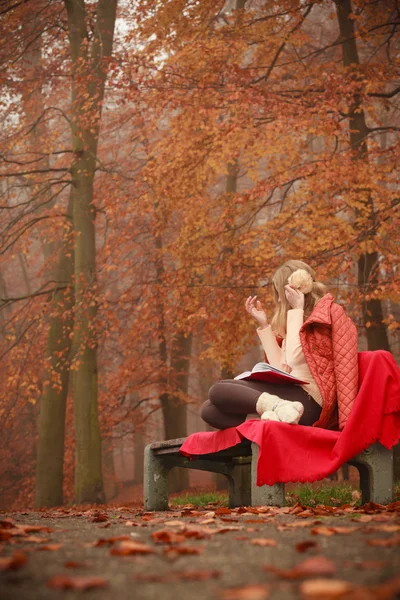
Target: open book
[264,372]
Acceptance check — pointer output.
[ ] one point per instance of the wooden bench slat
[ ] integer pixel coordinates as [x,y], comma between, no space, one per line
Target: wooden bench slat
[171,447]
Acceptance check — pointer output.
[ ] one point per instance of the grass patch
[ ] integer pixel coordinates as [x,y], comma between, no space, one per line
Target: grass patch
[329,495]
[306,494]
[201,499]
[396,491]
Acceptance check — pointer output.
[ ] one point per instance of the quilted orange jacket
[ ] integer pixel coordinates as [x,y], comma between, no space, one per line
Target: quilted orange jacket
[329,341]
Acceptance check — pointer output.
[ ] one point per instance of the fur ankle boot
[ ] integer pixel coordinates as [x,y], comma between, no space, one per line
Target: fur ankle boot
[273,408]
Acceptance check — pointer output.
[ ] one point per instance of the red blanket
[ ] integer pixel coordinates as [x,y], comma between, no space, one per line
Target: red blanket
[299,453]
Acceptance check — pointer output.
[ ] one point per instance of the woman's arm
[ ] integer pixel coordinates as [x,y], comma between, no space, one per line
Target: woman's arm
[275,354]
[294,321]
[294,351]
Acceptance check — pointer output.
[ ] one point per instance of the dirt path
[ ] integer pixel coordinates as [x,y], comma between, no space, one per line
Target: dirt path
[201,554]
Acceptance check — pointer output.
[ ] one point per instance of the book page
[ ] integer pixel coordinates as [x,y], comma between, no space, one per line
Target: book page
[262,366]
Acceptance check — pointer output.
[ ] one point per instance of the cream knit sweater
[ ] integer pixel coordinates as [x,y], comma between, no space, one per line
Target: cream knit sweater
[290,357]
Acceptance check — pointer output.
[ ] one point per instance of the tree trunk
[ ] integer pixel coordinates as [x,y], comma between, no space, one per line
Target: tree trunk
[21,260]
[50,450]
[4,306]
[110,479]
[34,105]
[174,409]
[89,72]
[139,444]
[368,267]
[231,188]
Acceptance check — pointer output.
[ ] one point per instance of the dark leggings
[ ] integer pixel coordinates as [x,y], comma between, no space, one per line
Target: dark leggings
[231,400]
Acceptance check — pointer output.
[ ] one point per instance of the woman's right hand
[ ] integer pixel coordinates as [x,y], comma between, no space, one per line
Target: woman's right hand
[256,310]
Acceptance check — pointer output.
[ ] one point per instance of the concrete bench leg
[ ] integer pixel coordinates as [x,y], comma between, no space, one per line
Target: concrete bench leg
[240,486]
[265,495]
[155,482]
[375,466]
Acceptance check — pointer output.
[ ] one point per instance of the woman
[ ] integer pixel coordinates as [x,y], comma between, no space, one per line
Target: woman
[311,337]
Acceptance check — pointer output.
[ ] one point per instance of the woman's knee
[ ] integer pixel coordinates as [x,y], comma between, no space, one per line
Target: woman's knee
[218,391]
[205,411]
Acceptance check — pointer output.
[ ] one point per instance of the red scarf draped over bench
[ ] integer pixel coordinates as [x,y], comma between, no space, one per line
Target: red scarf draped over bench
[299,453]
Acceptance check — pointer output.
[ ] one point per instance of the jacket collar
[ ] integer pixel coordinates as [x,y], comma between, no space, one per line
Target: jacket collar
[321,312]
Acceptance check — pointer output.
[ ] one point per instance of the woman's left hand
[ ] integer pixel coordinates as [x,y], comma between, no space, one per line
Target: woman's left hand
[294,297]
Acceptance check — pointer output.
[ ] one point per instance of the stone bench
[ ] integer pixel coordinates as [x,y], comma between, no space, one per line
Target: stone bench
[239,465]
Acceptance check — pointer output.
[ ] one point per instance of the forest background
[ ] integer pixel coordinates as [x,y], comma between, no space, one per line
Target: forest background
[159,159]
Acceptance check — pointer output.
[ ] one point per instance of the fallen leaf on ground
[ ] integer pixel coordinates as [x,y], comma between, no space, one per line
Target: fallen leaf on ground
[227,528]
[248,592]
[372,507]
[50,547]
[200,575]
[6,534]
[207,521]
[385,542]
[174,523]
[328,531]
[110,541]
[315,565]
[64,582]
[223,511]
[309,512]
[322,530]
[323,509]
[185,576]
[283,510]
[100,518]
[11,563]
[182,550]
[164,536]
[187,512]
[381,518]
[362,519]
[126,548]
[295,525]
[73,564]
[306,545]
[387,528]
[345,529]
[7,524]
[35,528]
[35,539]
[324,589]
[196,533]
[263,542]
[261,510]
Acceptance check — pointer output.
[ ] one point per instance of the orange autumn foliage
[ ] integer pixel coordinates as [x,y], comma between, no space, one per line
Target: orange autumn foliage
[196,94]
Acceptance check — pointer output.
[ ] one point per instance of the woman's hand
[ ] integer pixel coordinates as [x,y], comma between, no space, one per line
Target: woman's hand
[256,310]
[294,297]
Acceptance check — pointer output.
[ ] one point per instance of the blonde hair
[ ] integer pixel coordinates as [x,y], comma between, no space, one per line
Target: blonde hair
[279,280]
